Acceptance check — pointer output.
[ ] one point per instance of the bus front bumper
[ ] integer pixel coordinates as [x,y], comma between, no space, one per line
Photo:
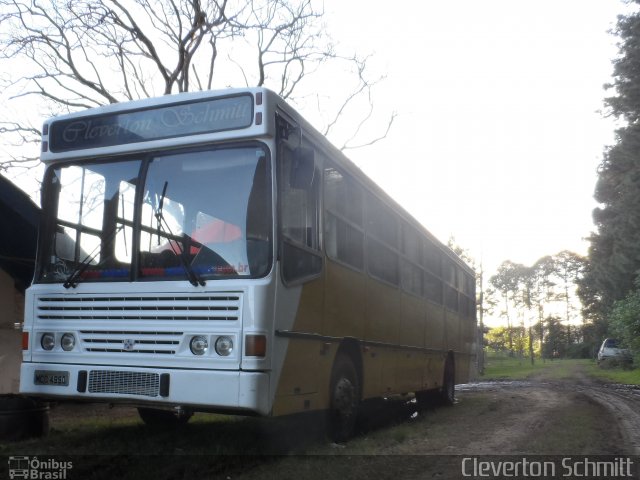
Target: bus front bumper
[205,390]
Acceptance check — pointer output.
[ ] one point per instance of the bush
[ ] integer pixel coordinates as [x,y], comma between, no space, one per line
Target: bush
[580,350]
[624,321]
[624,362]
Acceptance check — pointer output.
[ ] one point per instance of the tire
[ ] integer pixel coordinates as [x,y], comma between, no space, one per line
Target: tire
[345,399]
[448,390]
[22,417]
[164,418]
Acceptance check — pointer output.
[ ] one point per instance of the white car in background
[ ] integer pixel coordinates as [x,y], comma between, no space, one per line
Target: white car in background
[611,349]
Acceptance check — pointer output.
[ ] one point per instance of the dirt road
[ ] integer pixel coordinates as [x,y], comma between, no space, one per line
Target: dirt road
[540,416]
[623,403]
[574,417]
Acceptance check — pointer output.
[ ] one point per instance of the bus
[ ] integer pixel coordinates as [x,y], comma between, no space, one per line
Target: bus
[212,251]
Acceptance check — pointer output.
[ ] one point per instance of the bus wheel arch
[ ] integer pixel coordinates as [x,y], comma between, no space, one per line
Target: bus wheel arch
[448,392]
[351,348]
[345,391]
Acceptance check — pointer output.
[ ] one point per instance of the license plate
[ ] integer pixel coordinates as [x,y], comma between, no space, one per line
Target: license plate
[50,377]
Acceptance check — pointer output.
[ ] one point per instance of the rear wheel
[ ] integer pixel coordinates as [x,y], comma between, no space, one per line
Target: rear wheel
[448,391]
[157,417]
[345,399]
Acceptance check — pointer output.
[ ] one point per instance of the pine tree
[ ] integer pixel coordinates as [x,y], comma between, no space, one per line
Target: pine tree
[614,254]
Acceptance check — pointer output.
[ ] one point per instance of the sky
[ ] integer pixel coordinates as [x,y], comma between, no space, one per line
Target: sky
[499,128]
[500,125]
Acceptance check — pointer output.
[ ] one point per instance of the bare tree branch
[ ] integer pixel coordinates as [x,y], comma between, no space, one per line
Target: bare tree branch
[16,135]
[27,134]
[370,142]
[86,53]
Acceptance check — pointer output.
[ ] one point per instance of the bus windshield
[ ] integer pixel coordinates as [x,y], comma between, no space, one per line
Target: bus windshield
[197,214]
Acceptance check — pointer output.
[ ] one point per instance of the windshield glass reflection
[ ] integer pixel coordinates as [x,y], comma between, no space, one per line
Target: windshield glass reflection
[204,214]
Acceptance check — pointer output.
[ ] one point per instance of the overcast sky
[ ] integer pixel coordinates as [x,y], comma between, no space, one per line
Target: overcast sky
[500,127]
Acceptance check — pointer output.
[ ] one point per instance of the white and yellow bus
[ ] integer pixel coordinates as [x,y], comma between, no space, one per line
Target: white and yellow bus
[212,251]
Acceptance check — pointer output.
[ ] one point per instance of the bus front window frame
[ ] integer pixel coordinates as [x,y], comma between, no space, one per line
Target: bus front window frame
[194,188]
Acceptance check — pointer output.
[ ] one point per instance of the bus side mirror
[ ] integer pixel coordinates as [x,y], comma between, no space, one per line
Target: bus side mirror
[302,169]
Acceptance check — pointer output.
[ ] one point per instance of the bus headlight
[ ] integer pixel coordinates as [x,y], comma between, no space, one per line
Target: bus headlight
[199,345]
[68,341]
[224,346]
[48,341]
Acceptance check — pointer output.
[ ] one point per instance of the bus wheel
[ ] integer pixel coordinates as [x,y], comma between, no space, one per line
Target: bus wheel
[163,418]
[448,391]
[345,399]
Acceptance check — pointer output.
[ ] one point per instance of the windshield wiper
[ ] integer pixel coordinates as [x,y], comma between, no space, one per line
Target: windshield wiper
[193,277]
[76,276]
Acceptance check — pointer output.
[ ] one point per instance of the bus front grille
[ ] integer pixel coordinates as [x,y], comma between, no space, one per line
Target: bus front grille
[110,341]
[207,307]
[124,383]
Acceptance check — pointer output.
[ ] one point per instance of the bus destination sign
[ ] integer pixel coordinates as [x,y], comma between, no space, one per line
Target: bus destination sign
[187,118]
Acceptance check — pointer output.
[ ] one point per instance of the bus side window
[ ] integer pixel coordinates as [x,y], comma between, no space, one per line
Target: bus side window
[299,217]
[344,233]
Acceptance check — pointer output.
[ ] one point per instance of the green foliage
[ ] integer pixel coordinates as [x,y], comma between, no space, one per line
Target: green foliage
[625,320]
[616,375]
[555,340]
[526,294]
[593,332]
[614,253]
[581,350]
[625,70]
[512,341]
[497,339]
[505,368]
[500,367]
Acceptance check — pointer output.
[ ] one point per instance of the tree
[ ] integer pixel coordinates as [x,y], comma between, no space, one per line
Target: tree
[505,284]
[555,342]
[593,311]
[614,253]
[625,319]
[497,339]
[532,294]
[542,293]
[86,53]
[568,268]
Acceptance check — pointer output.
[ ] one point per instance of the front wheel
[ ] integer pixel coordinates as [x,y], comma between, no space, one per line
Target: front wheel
[163,418]
[345,399]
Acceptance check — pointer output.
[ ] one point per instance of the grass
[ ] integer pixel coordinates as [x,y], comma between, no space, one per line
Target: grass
[215,446]
[204,435]
[617,375]
[510,368]
[209,446]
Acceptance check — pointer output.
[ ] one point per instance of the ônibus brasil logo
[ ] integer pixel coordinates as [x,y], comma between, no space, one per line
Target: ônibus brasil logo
[36,469]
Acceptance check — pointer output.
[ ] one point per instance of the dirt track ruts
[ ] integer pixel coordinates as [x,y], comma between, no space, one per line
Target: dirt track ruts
[623,402]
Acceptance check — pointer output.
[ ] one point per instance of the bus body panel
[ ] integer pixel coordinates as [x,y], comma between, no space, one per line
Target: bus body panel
[344,308]
[301,383]
[202,390]
[208,382]
[398,337]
